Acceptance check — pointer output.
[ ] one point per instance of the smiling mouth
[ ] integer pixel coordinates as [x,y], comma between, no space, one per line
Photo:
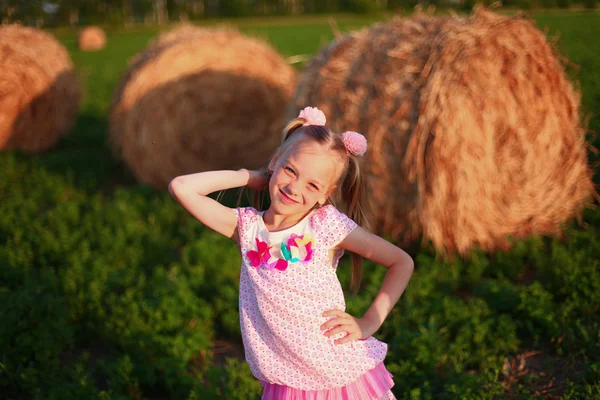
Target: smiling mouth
[287,198]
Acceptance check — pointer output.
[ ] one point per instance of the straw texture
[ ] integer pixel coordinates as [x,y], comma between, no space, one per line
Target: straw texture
[199,99]
[40,92]
[474,131]
[91,38]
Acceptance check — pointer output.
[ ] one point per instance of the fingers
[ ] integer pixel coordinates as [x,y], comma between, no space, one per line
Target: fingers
[349,329]
[342,323]
[351,334]
[340,315]
[347,339]
[334,313]
[343,320]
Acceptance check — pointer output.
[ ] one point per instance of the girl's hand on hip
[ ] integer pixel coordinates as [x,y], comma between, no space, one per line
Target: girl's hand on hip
[355,328]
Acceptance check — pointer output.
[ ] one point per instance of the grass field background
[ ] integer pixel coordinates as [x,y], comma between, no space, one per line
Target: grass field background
[110,290]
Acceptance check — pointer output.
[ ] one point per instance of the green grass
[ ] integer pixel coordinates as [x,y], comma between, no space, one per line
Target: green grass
[110,290]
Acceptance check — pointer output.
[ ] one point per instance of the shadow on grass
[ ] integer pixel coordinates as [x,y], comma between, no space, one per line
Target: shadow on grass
[85,156]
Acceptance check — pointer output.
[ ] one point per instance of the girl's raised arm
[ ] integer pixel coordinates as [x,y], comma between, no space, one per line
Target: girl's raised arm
[191,191]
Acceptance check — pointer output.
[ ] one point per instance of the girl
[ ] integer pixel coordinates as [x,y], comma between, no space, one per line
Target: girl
[297,338]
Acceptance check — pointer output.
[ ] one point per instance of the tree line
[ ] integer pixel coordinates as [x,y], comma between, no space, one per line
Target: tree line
[75,12]
[83,12]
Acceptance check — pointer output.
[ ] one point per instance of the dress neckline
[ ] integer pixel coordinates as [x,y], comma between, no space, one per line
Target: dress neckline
[282,231]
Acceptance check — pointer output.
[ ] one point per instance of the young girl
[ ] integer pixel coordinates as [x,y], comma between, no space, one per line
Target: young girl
[298,340]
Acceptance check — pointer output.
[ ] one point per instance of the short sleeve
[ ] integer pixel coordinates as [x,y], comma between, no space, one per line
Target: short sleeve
[331,225]
[246,216]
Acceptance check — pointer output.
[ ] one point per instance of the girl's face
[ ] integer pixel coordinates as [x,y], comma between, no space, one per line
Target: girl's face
[302,177]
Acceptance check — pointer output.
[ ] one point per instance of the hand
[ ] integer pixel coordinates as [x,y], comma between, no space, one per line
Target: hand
[356,328]
[257,180]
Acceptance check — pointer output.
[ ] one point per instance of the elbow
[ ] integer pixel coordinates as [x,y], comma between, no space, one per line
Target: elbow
[175,186]
[402,262]
[410,264]
[407,262]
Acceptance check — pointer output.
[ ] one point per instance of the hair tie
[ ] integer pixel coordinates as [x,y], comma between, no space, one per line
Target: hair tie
[356,144]
[313,116]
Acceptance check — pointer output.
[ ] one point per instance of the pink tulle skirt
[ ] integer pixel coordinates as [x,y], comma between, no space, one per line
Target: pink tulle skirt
[373,385]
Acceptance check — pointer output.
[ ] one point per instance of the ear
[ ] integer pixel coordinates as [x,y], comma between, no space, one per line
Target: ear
[325,197]
[273,161]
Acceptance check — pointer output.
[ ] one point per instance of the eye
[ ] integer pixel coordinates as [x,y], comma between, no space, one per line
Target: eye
[313,186]
[290,170]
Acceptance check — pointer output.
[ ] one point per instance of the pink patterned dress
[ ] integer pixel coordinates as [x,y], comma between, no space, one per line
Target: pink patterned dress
[287,281]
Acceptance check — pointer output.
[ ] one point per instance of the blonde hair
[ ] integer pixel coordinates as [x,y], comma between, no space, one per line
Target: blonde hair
[351,191]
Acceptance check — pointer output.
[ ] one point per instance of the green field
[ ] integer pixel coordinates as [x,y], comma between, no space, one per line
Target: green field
[110,290]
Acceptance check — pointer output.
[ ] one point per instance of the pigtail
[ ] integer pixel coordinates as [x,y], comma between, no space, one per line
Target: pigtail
[353,195]
[291,127]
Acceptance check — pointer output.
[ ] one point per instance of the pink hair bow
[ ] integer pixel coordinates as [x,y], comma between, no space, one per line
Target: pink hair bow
[313,116]
[356,144]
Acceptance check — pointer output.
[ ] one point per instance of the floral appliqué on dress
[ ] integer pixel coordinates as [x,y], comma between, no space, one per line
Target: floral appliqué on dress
[297,248]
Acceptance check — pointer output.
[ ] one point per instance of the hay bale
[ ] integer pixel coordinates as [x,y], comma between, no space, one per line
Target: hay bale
[474,130]
[197,100]
[91,38]
[154,48]
[181,32]
[40,92]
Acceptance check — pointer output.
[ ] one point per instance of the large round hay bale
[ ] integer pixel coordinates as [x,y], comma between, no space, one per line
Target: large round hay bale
[155,48]
[474,130]
[40,92]
[199,99]
[91,38]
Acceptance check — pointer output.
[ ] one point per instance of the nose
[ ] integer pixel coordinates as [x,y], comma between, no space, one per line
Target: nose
[292,187]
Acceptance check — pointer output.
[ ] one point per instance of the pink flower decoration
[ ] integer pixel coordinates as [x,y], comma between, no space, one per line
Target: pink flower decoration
[313,116]
[309,251]
[281,265]
[303,244]
[297,248]
[273,257]
[259,256]
[355,143]
[292,239]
